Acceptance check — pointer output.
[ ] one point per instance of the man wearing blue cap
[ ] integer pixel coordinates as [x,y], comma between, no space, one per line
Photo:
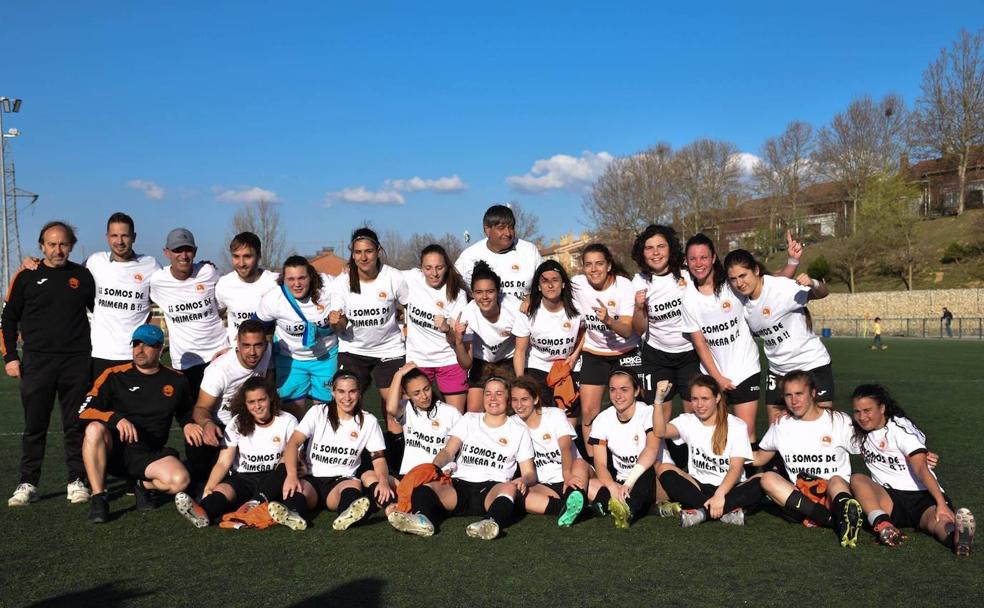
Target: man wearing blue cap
[128,417]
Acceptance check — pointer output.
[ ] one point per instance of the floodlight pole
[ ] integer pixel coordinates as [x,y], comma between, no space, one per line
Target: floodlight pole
[3,193]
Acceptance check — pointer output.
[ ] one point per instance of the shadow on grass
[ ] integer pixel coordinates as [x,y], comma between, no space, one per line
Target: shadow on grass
[364,593]
[107,595]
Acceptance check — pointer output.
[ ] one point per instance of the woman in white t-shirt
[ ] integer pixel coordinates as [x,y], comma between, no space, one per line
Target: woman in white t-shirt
[902,491]
[363,313]
[483,331]
[717,450]
[435,297]
[620,435]
[305,348]
[775,309]
[254,443]
[667,353]
[551,330]
[563,475]
[334,435]
[486,449]
[605,296]
[814,444]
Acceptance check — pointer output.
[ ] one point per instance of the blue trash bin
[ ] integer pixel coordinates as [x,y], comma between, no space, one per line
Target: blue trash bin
[826,332]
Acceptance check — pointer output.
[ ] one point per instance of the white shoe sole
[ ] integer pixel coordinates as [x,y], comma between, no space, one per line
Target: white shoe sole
[406,523]
[356,511]
[282,515]
[485,530]
[186,507]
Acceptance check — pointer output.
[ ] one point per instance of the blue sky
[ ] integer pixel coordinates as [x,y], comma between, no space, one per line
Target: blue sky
[177,112]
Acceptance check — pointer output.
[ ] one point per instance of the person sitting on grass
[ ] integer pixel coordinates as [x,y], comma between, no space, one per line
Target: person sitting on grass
[254,442]
[127,416]
[902,491]
[814,444]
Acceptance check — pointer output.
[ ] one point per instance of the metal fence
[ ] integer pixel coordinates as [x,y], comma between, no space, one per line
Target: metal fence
[912,327]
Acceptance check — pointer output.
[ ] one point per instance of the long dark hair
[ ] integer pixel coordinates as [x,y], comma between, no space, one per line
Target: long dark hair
[719,440]
[362,234]
[718,275]
[333,406]
[639,249]
[453,282]
[743,257]
[245,424]
[566,293]
[617,270]
[880,395]
[298,261]
[413,374]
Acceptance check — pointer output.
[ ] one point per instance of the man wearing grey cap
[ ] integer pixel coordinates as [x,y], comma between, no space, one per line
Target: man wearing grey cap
[185,292]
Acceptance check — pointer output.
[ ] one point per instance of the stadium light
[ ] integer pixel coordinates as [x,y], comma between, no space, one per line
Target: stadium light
[7,105]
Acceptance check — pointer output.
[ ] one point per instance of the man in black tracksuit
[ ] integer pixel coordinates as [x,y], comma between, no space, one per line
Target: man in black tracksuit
[47,307]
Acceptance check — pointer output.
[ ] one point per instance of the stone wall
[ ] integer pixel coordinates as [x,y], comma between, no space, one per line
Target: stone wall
[903,313]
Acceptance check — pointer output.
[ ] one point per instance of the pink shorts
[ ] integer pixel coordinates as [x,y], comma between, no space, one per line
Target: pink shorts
[451,379]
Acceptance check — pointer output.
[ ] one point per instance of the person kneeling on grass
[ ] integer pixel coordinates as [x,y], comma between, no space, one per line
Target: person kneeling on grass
[127,416]
[254,442]
[563,474]
[488,447]
[625,430]
[902,491]
[814,444]
[717,447]
[336,434]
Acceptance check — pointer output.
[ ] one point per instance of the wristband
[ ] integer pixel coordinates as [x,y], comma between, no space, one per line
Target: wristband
[792,262]
[634,475]
[816,283]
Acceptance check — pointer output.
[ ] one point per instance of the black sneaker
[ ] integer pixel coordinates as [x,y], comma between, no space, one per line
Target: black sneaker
[146,499]
[98,508]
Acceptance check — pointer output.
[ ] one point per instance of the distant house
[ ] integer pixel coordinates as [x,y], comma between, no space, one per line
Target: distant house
[327,262]
[939,182]
[567,251]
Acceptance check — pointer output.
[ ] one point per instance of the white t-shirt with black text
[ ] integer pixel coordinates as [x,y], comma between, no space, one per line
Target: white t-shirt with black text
[624,440]
[490,453]
[546,436]
[372,330]
[122,302]
[426,346]
[261,451]
[491,342]
[195,331]
[664,304]
[816,447]
[619,299]
[702,463]
[337,453]
[885,451]
[289,334]
[425,433]
[240,299]
[515,266]
[553,336]
[224,376]
[721,319]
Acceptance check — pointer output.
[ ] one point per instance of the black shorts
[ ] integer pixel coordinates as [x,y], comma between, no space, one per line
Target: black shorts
[908,506]
[823,377]
[324,485]
[557,487]
[595,369]
[478,369]
[678,368]
[381,371]
[132,459]
[547,395]
[471,496]
[747,390]
[245,485]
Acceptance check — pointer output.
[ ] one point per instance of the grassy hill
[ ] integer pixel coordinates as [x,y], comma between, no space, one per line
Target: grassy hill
[937,235]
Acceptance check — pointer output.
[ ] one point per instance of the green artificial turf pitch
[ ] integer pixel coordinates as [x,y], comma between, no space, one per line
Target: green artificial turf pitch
[50,555]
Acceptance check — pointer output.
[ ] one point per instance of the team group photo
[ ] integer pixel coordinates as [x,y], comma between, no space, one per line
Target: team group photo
[684,375]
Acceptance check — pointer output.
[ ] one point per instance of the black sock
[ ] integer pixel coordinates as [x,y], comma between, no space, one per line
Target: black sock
[215,504]
[501,509]
[371,493]
[881,518]
[744,495]
[349,495]
[682,490]
[296,502]
[840,501]
[603,496]
[271,487]
[643,494]
[424,500]
[554,506]
[800,504]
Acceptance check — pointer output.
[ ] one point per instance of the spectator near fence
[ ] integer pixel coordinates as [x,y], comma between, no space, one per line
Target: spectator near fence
[947,319]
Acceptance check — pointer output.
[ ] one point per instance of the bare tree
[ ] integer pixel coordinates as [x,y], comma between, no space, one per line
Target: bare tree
[889,217]
[404,253]
[527,223]
[634,191]
[707,172]
[783,170]
[950,112]
[262,218]
[866,139]
[849,259]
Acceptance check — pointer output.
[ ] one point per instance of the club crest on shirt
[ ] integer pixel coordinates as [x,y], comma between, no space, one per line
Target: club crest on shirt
[726,306]
[439,303]
[766,312]
[611,304]
[682,282]
[826,441]
[275,439]
[200,287]
[138,278]
[567,325]
[73,283]
[515,267]
[635,438]
[168,390]
[505,334]
[546,436]
[382,295]
[436,424]
[503,441]
[882,444]
[320,307]
[354,435]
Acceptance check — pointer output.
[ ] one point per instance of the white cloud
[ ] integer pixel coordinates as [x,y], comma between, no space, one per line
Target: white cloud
[417,184]
[151,190]
[562,172]
[245,194]
[361,196]
[747,162]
